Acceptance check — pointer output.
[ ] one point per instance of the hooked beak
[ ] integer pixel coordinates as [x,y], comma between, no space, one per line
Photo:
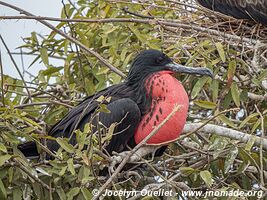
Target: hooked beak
[189,70]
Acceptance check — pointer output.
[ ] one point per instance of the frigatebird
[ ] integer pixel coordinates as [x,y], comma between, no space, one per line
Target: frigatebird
[140,103]
[255,10]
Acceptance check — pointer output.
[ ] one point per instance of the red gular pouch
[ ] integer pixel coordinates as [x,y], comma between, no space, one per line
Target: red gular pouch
[166,92]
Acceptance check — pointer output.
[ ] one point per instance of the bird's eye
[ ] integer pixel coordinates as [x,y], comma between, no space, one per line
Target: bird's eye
[160,60]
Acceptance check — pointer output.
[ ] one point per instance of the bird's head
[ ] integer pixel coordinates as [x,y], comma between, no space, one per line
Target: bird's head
[150,61]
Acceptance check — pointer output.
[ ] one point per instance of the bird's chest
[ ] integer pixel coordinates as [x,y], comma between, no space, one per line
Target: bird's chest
[165,91]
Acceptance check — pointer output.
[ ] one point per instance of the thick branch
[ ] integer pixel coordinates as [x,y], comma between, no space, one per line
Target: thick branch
[225,132]
[144,21]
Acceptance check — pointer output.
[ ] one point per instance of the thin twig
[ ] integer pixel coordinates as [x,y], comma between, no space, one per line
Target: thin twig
[2,80]
[16,66]
[42,104]
[75,41]
[144,21]
[261,147]
[77,49]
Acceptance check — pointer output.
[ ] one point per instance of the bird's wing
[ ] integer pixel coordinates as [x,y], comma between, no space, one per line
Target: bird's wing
[126,115]
[123,111]
[257,10]
[241,9]
[73,119]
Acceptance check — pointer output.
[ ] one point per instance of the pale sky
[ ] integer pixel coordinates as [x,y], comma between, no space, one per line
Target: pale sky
[13,30]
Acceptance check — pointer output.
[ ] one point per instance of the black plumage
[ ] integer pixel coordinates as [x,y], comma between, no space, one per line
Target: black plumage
[255,10]
[128,99]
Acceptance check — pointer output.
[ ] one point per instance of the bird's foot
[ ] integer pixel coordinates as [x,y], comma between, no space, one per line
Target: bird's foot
[135,157]
[116,159]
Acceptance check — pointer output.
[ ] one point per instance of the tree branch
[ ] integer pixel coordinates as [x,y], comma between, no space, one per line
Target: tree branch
[144,21]
[75,41]
[225,132]
[16,66]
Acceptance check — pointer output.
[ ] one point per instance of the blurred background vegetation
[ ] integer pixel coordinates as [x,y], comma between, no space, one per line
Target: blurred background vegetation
[235,50]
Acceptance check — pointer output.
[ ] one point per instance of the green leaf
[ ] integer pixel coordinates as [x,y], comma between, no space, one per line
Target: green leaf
[103,108]
[3,194]
[110,132]
[248,118]
[34,37]
[218,144]
[215,90]
[17,194]
[51,70]
[256,125]
[44,56]
[61,193]
[262,75]
[230,159]
[65,145]
[187,170]
[72,193]
[87,194]
[71,166]
[63,171]
[227,121]
[4,158]
[220,50]
[205,104]
[206,177]
[235,94]
[250,143]
[231,71]
[3,148]
[100,99]
[243,167]
[198,86]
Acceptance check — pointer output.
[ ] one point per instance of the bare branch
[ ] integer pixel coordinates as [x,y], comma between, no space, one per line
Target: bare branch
[2,80]
[75,41]
[225,132]
[144,21]
[16,66]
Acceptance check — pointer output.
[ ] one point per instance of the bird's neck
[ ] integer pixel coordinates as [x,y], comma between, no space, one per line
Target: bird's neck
[149,87]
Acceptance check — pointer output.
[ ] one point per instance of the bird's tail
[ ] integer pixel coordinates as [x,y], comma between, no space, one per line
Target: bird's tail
[29,149]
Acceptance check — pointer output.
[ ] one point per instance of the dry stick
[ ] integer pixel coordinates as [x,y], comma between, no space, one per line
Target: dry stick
[124,161]
[75,41]
[190,132]
[35,54]
[34,88]
[225,132]
[205,123]
[43,103]
[261,145]
[16,66]
[144,21]
[77,49]
[2,80]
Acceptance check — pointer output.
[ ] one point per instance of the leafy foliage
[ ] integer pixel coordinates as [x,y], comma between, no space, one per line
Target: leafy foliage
[214,162]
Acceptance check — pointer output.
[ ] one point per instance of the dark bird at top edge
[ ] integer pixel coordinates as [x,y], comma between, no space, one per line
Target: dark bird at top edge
[140,103]
[255,10]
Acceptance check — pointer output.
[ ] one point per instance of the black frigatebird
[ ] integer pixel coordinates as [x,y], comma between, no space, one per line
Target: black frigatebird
[140,103]
[241,9]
